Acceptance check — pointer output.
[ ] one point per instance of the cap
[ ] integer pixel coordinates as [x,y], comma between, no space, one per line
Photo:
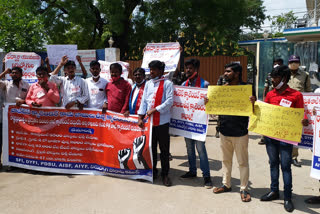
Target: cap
[294,58]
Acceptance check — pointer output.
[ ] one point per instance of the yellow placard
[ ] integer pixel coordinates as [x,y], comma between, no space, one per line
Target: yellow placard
[229,100]
[277,121]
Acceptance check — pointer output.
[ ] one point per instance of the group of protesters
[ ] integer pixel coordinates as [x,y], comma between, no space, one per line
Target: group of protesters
[155,97]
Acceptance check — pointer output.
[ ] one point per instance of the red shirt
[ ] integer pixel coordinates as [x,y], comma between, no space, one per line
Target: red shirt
[291,97]
[118,94]
[39,95]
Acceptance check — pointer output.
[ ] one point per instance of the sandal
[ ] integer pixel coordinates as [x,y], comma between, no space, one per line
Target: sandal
[221,189]
[313,200]
[245,196]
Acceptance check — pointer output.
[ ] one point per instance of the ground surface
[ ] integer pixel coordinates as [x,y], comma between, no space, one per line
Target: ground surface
[35,193]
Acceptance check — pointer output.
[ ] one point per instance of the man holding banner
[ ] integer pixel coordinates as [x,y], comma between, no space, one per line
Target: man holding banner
[194,80]
[280,152]
[157,100]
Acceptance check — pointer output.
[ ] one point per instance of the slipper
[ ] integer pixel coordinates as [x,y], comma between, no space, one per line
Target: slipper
[313,200]
[245,196]
[221,189]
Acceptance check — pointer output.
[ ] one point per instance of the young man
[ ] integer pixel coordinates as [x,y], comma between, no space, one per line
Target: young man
[299,81]
[157,100]
[97,87]
[137,90]
[42,93]
[117,91]
[74,90]
[194,80]
[234,139]
[278,151]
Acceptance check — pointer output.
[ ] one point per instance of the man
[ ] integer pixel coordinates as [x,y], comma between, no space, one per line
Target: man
[157,100]
[194,80]
[117,91]
[42,93]
[15,91]
[74,90]
[299,81]
[96,87]
[137,90]
[234,138]
[278,151]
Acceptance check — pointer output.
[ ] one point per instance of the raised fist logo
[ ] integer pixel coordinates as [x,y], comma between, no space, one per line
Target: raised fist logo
[123,157]
[138,146]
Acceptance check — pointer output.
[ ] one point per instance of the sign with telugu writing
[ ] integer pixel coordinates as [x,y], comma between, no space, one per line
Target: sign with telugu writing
[105,69]
[279,122]
[56,52]
[86,57]
[169,53]
[27,61]
[188,116]
[229,100]
[76,142]
[315,167]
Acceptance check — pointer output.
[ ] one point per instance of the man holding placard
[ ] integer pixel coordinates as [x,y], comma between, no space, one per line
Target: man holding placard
[280,152]
[194,80]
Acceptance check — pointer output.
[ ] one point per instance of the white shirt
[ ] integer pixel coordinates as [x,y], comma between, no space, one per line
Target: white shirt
[97,92]
[12,91]
[71,90]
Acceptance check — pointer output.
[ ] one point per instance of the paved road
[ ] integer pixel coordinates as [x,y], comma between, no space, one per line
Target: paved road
[35,193]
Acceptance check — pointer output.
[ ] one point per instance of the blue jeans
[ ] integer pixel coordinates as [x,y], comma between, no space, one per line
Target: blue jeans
[280,153]
[202,151]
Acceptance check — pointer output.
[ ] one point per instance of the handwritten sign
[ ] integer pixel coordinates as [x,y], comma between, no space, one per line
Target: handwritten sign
[229,100]
[56,52]
[188,116]
[27,61]
[86,57]
[169,53]
[277,121]
[77,142]
[105,69]
[315,168]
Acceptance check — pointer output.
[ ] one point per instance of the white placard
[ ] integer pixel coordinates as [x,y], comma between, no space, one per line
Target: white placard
[86,57]
[105,69]
[56,52]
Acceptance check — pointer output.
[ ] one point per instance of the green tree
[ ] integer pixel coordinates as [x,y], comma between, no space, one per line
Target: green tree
[283,21]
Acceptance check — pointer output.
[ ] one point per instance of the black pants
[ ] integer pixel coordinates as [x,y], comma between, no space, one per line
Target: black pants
[160,134]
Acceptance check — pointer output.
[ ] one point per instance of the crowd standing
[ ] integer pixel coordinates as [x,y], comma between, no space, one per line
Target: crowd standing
[155,97]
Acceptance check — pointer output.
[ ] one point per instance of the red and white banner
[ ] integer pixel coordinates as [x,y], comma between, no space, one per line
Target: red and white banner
[76,142]
[27,61]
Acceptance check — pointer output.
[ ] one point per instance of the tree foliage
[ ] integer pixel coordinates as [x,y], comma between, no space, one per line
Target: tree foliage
[283,21]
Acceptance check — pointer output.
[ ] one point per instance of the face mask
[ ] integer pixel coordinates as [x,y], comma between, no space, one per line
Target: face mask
[96,76]
[156,78]
[44,79]
[115,78]
[276,65]
[294,66]
[279,85]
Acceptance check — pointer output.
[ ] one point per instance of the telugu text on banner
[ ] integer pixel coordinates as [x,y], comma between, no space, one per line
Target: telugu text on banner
[188,116]
[229,100]
[169,53]
[315,167]
[76,142]
[278,122]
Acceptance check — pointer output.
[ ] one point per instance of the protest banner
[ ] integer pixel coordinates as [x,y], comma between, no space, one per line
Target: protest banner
[86,57]
[278,122]
[105,69]
[27,61]
[229,100]
[169,53]
[77,142]
[188,116]
[311,100]
[56,52]
[315,167]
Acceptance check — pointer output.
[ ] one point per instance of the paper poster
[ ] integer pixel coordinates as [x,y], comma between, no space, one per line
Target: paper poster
[105,69]
[169,53]
[86,57]
[229,100]
[56,52]
[188,116]
[27,61]
[278,122]
[77,142]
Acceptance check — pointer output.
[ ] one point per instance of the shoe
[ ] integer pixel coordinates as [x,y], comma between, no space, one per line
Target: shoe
[207,182]
[261,142]
[270,196]
[189,175]
[217,135]
[296,163]
[245,196]
[288,206]
[166,181]
[221,189]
